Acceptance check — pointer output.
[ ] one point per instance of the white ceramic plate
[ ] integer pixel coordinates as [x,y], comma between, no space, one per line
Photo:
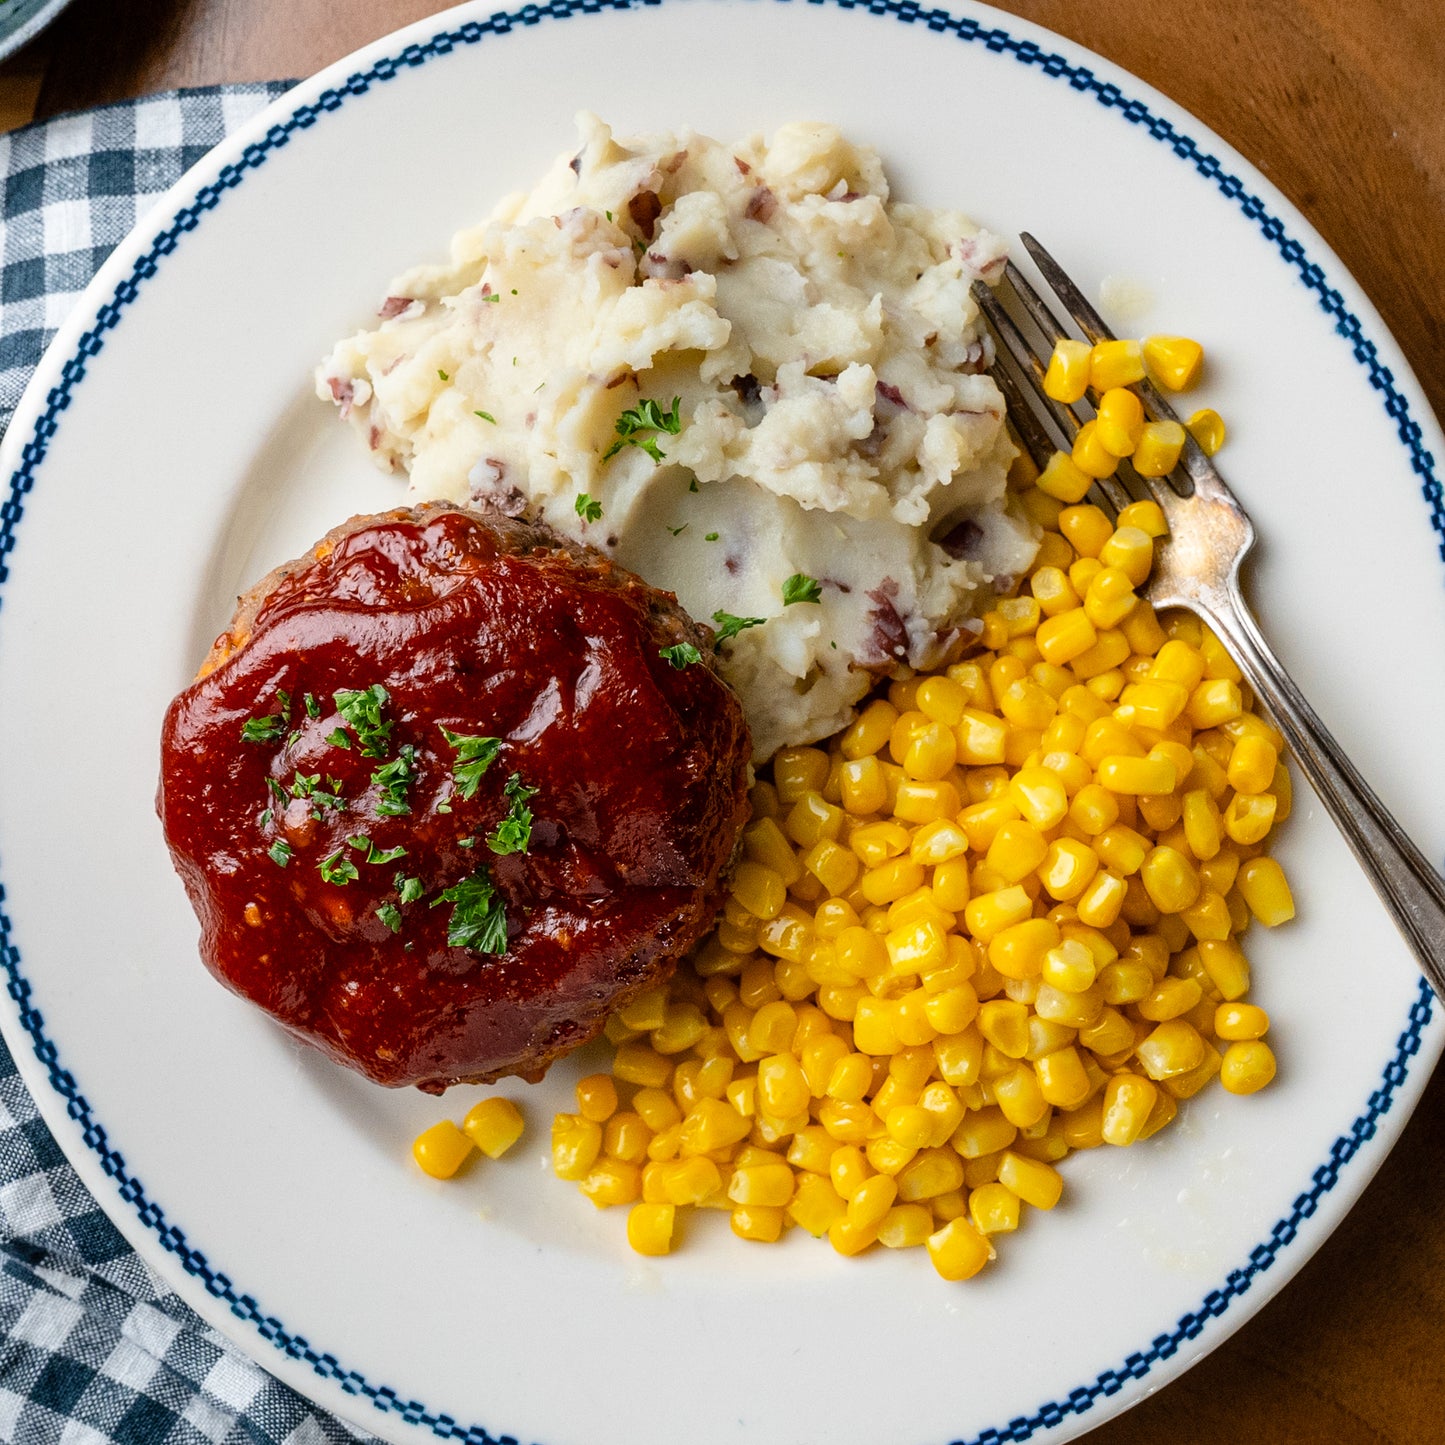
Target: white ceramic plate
[170,451]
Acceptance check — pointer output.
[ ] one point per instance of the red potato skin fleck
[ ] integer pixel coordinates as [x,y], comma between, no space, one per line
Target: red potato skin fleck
[486,626]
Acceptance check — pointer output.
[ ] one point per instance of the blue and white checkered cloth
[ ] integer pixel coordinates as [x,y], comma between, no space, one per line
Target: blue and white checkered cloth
[93,1348]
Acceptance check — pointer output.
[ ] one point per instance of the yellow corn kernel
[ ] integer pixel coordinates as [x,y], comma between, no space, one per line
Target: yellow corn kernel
[1025,704]
[1171,998]
[1128,1101]
[1039,795]
[1250,816]
[1066,635]
[816,1205]
[1170,879]
[757,1222]
[441,1149]
[648,1010]
[1068,868]
[782,1086]
[1116,363]
[931,752]
[1066,378]
[876,843]
[1120,773]
[1208,917]
[994,1209]
[1206,426]
[1158,450]
[1111,649]
[576,1143]
[931,1173]
[611,1182]
[759,889]
[650,1227]
[1240,1022]
[1064,479]
[1054,591]
[1019,1096]
[1110,598]
[905,1226]
[1265,889]
[1075,1009]
[772,1027]
[983,1131]
[1090,455]
[1005,1024]
[1173,1048]
[1100,903]
[891,880]
[990,913]
[833,865]
[1131,550]
[639,1063]
[1251,766]
[872,1199]
[811,819]
[848,1170]
[1063,1080]
[981,738]
[596,1097]
[942,699]
[870,730]
[770,1185]
[1035,1183]
[850,1238]
[1203,826]
[797,771]
[1173,361]
[908,1125]
[494,1125]
[1247,1067]
[861,786]
[1185,1086]
[1214,701]
[712,1124]
[690,1181]
[1018,951]
[1016,850]
[1119,421]
[958,1250]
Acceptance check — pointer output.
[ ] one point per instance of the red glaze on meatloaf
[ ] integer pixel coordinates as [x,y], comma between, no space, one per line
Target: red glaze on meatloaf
[334,800]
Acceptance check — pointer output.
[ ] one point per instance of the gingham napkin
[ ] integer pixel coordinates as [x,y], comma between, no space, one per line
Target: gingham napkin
[93,1348]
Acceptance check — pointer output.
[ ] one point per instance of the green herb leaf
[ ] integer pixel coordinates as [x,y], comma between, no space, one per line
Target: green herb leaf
[586,508]
[339,739]
[362,710]
[681,655]
[514,832]
[313,708]
[284,698]
[486,416]
[710,537]
[262,729]
[474,756]
[729,626]
[280,852]
[390,915]
[393,779]
[478,920]
[266,816]
[276,788]
[639,425]
[338,869]
[303,786]
[492,296]
[678,531]
[801,588]
[409,888]
[443,374]
[692,485]
[466,842]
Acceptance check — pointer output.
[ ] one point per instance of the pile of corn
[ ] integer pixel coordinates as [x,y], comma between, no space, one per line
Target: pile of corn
[993,921]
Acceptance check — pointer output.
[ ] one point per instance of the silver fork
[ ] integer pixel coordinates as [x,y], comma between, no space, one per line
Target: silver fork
[1197,567]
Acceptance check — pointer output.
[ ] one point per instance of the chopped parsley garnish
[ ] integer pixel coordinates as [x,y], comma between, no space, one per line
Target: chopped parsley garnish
[313,708]
[728,625]
[390,915]
[409,888]
[474,756]
[393,779]
[276,788]
[678,531]
[466,842]
[710,537]
[692,485]
[362,710]
[363,844]
[639,425]
[338,869]
[587,508]
[280,852]
[266,817]
[339,739]
[493,296]
[801,588]
[486,416]
[443,374]
[284,698]
[680,656]
[262,729]
[478,919]
[302,786]
[514,832]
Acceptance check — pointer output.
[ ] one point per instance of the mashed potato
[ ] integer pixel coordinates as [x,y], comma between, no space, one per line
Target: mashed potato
[740,370]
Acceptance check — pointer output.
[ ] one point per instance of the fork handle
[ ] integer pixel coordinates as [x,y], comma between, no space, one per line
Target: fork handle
[1411,889]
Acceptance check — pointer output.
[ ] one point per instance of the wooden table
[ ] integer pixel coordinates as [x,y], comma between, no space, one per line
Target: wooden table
[1342,104]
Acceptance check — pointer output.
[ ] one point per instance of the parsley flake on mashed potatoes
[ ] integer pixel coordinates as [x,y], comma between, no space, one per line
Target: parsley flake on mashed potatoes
[740,370]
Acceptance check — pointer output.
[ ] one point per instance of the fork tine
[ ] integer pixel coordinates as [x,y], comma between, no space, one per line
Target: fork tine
[1022,416]
[1197,467]
[1057,417]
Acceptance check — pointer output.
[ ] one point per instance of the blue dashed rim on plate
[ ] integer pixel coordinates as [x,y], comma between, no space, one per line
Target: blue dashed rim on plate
[960,29]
